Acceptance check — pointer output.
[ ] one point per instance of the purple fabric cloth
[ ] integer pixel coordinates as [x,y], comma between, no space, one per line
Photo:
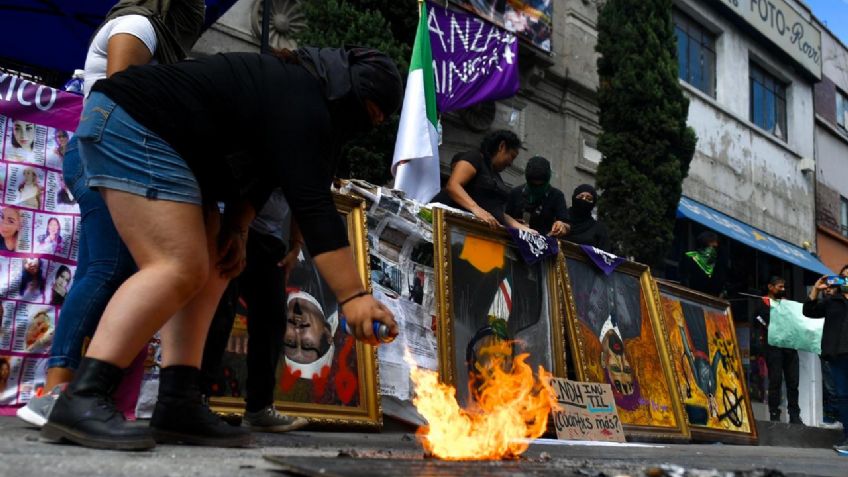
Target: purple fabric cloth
[474,60]
[27,101]
[606,261]
[534,247]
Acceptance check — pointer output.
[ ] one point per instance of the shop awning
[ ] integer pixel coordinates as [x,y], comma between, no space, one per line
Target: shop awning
[741,232]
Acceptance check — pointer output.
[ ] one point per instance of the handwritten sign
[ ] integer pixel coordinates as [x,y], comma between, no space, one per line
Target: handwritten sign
[585,412]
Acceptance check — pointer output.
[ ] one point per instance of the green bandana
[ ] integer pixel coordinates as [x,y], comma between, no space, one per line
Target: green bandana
[535,193]
[705,259]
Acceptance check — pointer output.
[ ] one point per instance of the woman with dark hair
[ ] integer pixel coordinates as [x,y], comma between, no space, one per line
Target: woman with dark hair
[144,142]
[22,142]
[475,183]
[32,280]
[61,282]
[51,240]
[585,230]
[10,228]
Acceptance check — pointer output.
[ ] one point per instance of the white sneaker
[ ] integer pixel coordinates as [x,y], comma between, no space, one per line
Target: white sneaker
[271,420]
[38,408]
[831,425]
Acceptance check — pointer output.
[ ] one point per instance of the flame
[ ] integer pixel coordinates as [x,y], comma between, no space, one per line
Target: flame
[510,407]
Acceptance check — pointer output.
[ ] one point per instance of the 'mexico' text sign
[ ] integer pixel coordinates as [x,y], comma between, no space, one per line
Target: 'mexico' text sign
[785,27]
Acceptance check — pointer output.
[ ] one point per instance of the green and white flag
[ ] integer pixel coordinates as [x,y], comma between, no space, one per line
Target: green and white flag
[415,164]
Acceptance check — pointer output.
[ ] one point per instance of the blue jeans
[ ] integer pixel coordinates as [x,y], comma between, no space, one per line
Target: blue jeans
[102,266]
[839,374]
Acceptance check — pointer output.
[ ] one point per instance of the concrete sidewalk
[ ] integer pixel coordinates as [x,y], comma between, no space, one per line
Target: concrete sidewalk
[393,453]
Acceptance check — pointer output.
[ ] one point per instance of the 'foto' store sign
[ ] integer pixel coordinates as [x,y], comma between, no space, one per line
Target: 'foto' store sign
[785,27]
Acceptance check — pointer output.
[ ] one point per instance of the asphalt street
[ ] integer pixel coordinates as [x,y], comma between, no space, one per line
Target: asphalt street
[316,453]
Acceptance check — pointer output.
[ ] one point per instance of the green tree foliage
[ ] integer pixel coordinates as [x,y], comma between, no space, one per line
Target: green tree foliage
[335,23]
[646,144]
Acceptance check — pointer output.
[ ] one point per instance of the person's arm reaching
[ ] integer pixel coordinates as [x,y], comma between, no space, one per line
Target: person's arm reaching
[462,173]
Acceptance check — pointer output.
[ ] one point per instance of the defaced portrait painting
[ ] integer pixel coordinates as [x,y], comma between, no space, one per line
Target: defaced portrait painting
[617,339]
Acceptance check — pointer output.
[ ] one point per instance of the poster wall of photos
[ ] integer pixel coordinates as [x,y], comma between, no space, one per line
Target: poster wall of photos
[39,224]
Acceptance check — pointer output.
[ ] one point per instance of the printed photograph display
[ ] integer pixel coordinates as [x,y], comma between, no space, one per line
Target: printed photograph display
[324,374]
[38,231]
[530,19]
[489,293]
[617,337]
[705,353]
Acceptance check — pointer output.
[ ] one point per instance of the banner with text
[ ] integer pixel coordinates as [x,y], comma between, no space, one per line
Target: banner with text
[585,412]
[39,221]
[474,61]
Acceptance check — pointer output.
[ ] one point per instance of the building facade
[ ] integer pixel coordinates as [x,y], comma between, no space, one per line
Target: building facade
[831,139]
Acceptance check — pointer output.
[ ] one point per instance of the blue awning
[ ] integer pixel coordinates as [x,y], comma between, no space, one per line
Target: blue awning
[741,232]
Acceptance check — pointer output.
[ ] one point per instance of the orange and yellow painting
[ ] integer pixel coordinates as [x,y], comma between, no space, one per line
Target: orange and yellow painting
[619,345]
[709,371]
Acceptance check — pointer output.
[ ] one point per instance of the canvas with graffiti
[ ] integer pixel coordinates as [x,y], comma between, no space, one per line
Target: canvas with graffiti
[616,339]
[705,354]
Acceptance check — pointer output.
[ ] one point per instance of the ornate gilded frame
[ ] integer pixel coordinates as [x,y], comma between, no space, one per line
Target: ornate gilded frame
[442,222]
[369,413]
[704,433]
[649,290]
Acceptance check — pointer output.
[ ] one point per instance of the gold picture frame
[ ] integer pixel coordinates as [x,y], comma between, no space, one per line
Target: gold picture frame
[447,227]
[367,413]
[707,322]
[610,345]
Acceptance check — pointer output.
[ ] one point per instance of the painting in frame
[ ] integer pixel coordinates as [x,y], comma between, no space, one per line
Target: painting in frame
[485,287]
[705,353]
[616,336]
[339,387]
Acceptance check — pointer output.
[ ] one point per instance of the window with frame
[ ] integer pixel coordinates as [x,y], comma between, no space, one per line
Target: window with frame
[696,58]
[843,216]
[768,102]
[841,109]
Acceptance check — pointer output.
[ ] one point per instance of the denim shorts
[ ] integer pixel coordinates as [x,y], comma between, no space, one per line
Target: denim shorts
[119,153]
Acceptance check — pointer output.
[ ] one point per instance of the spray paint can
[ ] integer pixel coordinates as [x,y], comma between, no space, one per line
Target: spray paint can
[381,330]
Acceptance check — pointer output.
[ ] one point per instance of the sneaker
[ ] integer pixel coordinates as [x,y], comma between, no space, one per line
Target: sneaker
[38,408]
[842,448]
[271,420]
[831,425]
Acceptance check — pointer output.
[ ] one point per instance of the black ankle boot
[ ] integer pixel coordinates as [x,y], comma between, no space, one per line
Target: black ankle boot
[774,416]
[795,419]
[181,416]
[85,414]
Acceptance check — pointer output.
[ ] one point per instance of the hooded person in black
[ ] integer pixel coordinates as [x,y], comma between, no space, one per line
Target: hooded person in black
[585,230]
[537,204]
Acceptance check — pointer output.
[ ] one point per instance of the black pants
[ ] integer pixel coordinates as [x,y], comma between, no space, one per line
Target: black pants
[782,362]
[262,285]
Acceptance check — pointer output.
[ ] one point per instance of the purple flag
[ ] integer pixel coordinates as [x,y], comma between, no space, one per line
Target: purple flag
[606,261]
[533,247]
[473,60]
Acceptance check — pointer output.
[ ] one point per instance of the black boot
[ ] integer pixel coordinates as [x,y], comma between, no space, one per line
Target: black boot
[774,416]
[85,414]
[181,416]
[796,419]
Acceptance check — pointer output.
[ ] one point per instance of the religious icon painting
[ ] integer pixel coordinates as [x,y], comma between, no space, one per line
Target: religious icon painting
[617,337]
[323,373]
[705,354]
[488,295]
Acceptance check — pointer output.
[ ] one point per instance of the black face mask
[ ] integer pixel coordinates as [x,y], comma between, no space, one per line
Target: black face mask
[780,294]
[582,209]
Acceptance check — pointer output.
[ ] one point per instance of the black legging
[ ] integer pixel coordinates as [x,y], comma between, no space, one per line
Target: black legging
[262,285]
